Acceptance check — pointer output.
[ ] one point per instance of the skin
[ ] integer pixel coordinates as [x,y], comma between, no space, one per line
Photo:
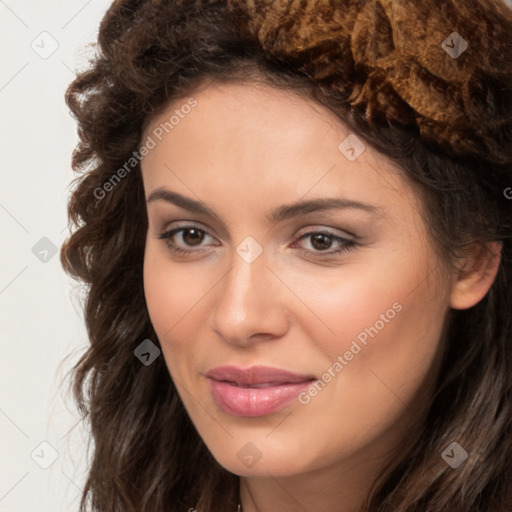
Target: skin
[245,150]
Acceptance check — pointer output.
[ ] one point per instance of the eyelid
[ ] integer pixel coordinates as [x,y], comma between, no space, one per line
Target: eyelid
[165,234]
[347,243]
[184,225]
[324,229]
[316,228]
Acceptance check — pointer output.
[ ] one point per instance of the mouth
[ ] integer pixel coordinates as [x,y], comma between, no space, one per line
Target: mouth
[256,376]
[255,386]
[255,391]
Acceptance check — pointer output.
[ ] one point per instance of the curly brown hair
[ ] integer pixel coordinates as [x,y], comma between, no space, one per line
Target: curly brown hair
[381,67]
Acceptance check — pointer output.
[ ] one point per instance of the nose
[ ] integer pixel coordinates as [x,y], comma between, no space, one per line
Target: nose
[250,305]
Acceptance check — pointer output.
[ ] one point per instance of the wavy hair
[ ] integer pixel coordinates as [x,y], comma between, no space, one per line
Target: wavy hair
[384,68]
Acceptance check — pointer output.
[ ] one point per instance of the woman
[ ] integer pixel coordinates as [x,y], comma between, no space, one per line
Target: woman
[296,237]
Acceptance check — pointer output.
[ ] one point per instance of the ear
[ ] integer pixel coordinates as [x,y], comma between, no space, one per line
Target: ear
[476,275]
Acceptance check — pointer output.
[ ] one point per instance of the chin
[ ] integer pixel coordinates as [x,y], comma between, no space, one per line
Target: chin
[253,461]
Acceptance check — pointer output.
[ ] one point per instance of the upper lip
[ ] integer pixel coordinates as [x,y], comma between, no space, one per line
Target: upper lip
[255,375]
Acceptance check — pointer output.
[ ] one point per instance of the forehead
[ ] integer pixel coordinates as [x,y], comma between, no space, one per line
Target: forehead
[253,140]
[251,112]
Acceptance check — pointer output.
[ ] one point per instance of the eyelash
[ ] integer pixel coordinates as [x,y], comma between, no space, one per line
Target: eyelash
[348,244]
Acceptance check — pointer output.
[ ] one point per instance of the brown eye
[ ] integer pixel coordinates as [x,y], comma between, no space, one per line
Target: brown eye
[192,236]
[321,241]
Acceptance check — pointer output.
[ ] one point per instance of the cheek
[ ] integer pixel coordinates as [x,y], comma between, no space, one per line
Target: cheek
[387,359]
[385,323]
[171,293]
[379,382]
[358,301]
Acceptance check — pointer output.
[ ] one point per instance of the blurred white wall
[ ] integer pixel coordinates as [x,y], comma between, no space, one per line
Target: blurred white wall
[42,43]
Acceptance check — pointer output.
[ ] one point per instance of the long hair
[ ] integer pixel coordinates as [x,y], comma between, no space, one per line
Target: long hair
[427,83]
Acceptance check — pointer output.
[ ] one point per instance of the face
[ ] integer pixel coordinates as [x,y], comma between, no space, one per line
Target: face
[290,280]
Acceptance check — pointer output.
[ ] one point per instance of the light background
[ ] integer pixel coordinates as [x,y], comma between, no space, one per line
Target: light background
[40,312]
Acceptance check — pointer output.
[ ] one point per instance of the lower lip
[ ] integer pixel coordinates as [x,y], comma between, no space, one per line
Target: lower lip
[239,401]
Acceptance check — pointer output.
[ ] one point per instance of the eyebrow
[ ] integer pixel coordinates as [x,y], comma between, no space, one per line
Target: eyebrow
[277,215]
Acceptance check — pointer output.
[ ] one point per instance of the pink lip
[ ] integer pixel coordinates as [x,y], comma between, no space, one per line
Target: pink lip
[237,391]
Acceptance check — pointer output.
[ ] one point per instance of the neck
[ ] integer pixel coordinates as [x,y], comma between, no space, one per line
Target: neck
[329,490]
[342,486]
